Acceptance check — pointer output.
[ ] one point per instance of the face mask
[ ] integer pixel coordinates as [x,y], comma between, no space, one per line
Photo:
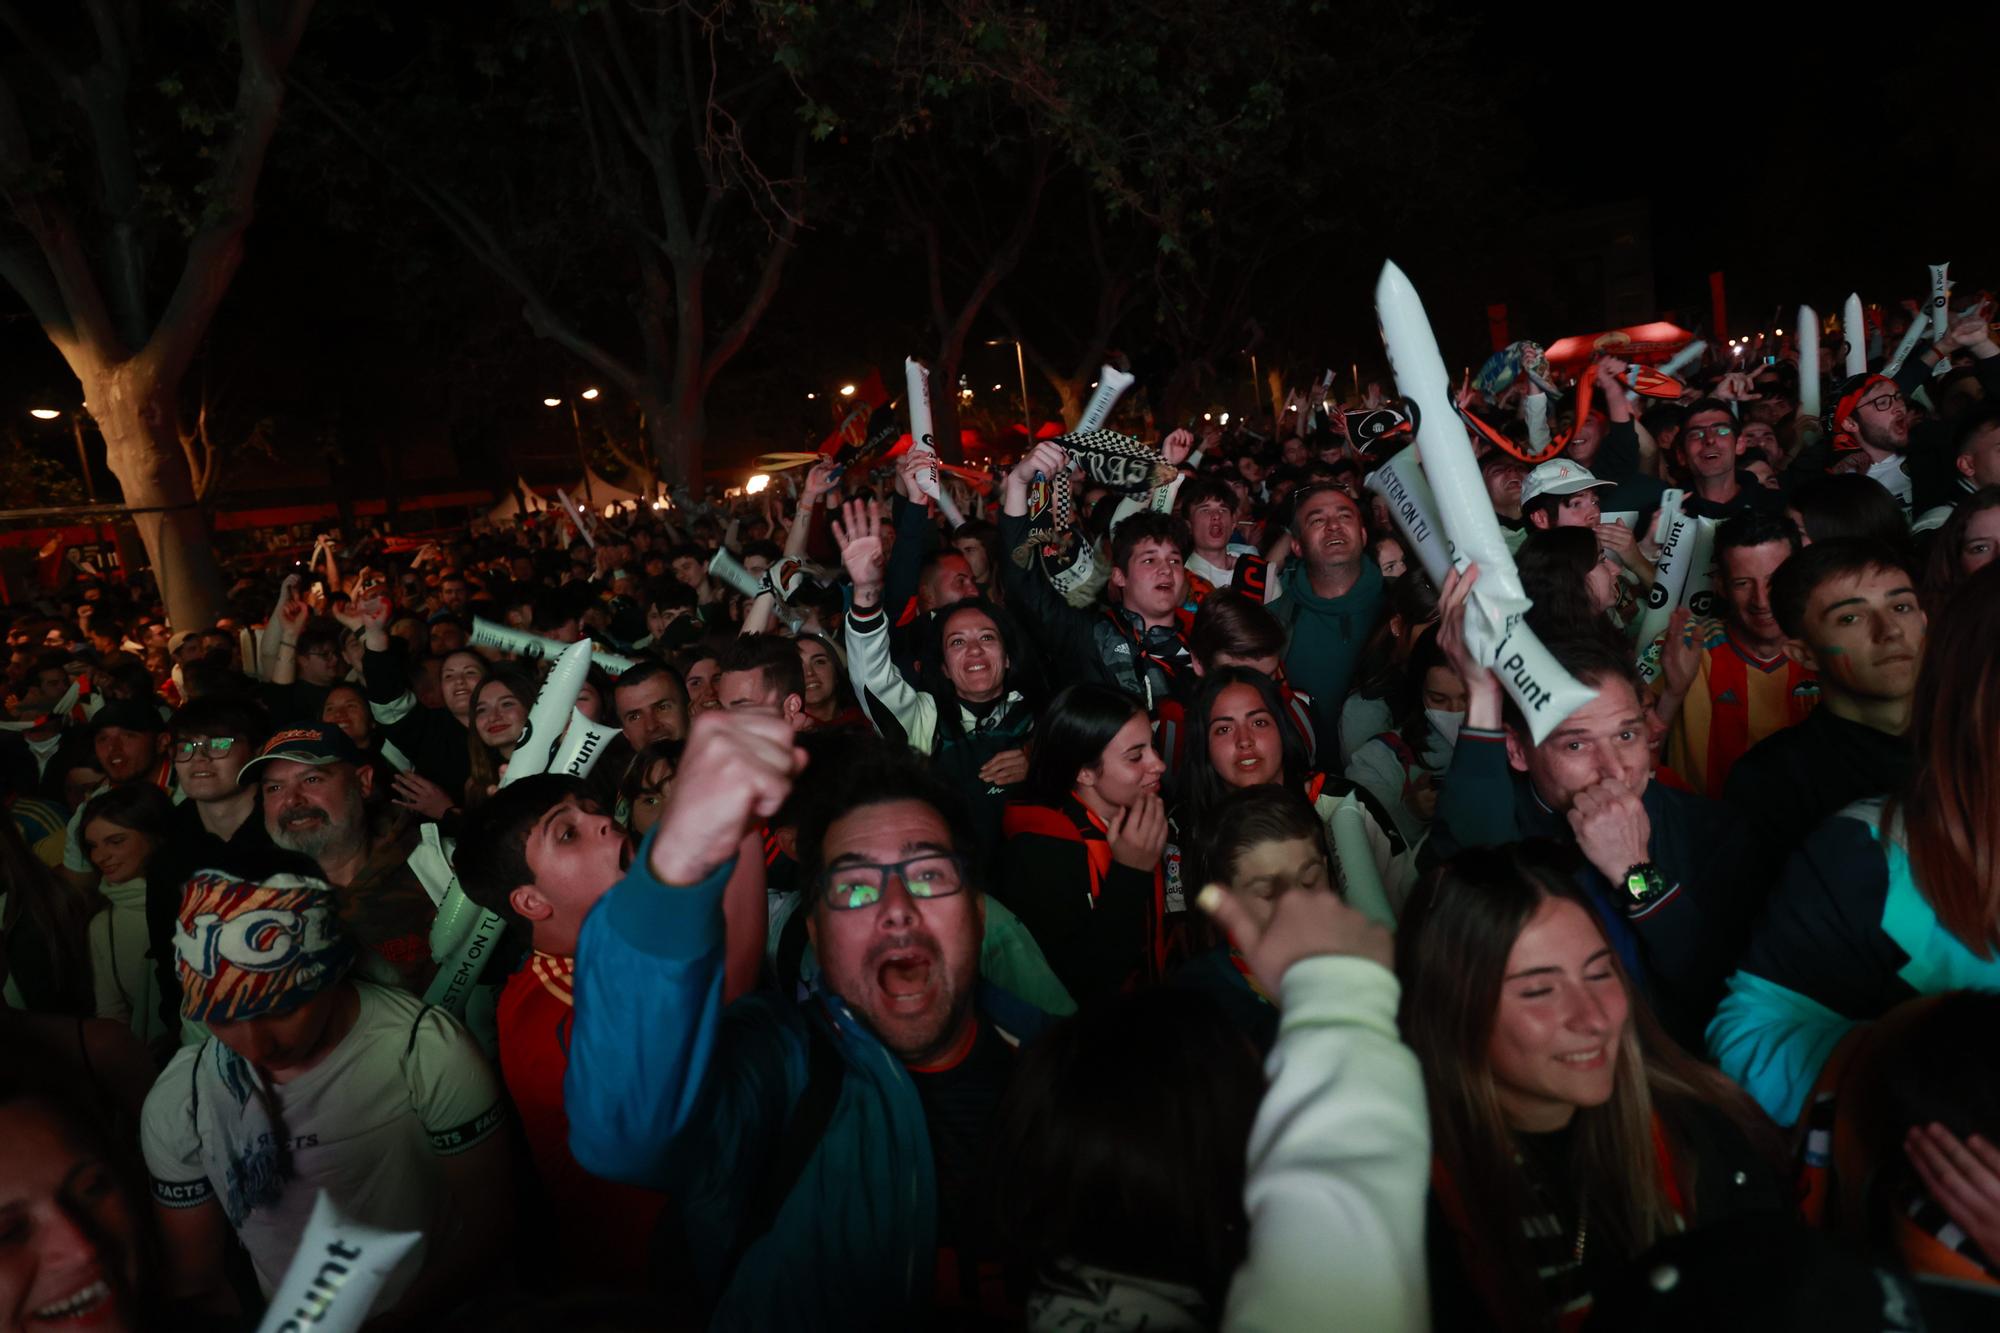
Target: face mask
[1445,725]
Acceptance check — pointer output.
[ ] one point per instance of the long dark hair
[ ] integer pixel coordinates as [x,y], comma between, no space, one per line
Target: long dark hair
[1554,563]
[1950,806]
[1201,787]
[138,806]
[843,689]
[524,683]
[931,677]
[1414,727]
[1452,947]
[1070,737]
[44,931]
[1121,1142]
[1412,601]
[1943,572]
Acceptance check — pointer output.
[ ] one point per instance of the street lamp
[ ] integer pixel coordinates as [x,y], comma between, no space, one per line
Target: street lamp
[82,456]
[1020,364]
[582,454]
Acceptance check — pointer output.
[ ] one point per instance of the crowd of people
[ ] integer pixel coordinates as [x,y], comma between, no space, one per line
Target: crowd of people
[1034,897]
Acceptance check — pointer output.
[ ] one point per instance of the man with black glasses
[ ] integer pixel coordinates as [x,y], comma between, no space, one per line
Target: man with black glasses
[825,1154]
[1711,444]
[1873,418]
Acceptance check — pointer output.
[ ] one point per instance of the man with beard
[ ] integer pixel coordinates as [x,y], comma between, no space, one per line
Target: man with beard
[824,1155]
[314,785]
[1330,598]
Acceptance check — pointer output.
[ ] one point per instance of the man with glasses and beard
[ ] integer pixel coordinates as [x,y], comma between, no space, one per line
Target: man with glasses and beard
[825,1155]
[314,787]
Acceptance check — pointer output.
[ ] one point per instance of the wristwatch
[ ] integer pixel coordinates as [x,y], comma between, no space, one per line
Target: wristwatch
[1645,884]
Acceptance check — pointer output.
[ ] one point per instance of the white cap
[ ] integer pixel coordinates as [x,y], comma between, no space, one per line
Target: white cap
[1559,476]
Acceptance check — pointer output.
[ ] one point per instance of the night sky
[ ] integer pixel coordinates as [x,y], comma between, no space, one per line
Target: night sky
[1801,156]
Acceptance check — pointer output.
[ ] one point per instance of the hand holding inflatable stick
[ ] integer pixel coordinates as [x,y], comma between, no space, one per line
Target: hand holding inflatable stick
[1808,362]
[1495,633]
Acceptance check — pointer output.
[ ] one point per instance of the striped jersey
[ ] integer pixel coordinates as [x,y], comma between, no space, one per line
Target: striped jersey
[1736,700]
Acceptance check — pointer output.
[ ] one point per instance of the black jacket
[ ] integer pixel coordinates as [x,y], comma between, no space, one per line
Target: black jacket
[1682,947]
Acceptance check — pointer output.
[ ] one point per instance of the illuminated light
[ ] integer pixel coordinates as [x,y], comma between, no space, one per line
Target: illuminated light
[1208,416]
[43,413]
[1777,333]
[659,504]
[996,388]
[551,402]
[1225,418]
[758,481]
[811,396]
[611,511]
[847,391]
[1093,384]
[589,395]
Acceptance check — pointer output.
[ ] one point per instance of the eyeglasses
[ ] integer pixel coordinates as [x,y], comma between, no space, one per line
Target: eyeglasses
[214,746]
[320,652]
[859,885]
[1882,402]
[1704,432]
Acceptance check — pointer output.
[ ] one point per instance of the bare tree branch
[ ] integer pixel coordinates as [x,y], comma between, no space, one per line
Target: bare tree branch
[217,249]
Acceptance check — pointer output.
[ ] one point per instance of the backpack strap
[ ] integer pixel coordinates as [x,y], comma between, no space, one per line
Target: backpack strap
[805,1127]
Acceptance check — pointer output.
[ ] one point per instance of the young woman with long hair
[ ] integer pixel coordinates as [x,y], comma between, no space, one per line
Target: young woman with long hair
[1967,542]
[1238,738]
[1571,580]
[830,700]
[1081,861]
[1891,898]
[499,715]
[1569,1132]
[121,830]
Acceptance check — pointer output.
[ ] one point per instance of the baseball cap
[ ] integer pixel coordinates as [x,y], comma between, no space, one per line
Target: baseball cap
[129,715]
[246,949]
[319,745]
[1559,476]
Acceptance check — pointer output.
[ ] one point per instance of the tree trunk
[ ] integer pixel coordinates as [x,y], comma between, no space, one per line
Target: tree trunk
[1071,393]
[139,420]
[678,430]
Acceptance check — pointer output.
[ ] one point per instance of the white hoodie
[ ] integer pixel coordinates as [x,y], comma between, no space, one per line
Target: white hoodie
[1339,1163]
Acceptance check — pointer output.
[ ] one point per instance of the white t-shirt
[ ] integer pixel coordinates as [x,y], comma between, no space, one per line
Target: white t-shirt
[406,1086]
[1894,476]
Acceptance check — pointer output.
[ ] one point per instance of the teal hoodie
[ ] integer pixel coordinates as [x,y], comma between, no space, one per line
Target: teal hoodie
[670,1090]
[1327,635]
